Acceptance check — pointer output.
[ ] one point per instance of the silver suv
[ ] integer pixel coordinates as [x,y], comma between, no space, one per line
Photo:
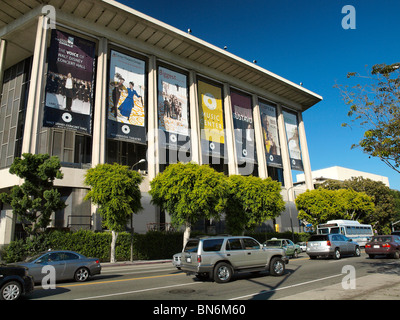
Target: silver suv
[331,245]
[219,258]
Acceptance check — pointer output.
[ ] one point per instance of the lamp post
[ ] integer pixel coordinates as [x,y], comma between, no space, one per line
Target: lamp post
[290,210]
[135,164]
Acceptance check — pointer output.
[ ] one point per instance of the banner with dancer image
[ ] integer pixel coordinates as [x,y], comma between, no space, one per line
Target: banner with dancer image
[126,91]
[211,119]
[69,86]
[292,134]
[173,109]
[269,127]
[243,125]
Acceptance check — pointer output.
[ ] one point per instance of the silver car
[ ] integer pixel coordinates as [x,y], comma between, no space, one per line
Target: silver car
[68,265]
[331,245]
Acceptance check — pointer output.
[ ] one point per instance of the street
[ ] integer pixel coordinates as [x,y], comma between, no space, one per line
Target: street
[161,281]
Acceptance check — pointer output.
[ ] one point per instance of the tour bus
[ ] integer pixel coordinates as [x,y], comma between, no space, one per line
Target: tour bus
[360,233]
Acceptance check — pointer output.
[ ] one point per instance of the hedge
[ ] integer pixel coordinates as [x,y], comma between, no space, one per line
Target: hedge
[150,246]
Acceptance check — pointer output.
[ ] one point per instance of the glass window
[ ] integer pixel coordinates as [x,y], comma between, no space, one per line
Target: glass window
[192,246]
[212,244]
[234,244]
[250,244]
[69,256]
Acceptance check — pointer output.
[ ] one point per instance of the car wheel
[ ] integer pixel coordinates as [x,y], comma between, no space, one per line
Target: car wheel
[295,254]
[277,267]
[337,254]
[11,291]
[82,274]
[357,252]
[223,272]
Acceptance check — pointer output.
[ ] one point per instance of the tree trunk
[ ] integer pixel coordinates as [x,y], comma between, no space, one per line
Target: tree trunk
[186,235]
[113,243]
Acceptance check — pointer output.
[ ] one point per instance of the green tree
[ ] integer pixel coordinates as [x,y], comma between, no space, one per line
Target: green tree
[320,205]
[374,104]
[34,201]
[382,195]
[251,201]
[189,192]
[115,189]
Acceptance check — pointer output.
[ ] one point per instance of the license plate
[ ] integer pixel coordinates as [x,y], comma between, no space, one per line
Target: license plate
[376,246]
[189,260]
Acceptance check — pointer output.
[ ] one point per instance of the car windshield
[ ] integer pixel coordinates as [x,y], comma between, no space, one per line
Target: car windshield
[30,259]
[273,243]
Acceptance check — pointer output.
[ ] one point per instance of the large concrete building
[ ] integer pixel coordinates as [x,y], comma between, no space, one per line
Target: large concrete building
[95,82]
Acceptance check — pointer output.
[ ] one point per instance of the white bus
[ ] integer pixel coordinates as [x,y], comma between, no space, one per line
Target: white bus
[360,233]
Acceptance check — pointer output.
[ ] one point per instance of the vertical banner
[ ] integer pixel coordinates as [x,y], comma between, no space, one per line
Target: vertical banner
[173,109]
[292,134]
[126,93]
[69,87]
[211,119]
[244,128]
[270,133]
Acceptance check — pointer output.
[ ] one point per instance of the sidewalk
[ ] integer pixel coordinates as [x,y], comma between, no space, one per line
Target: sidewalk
[376,286]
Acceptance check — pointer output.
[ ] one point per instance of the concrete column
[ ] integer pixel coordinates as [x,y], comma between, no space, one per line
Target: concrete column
[287,171]
[194,119]
[260,148]
[304,154]
[100,106]
[100,119]
[3,46]
[152,132]
[229,130]
[36,88]
[7,226]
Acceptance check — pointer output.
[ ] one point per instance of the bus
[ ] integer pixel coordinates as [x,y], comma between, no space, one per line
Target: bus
[360,233]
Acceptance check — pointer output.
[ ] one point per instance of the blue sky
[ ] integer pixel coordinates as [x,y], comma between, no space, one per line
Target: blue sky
[302,41]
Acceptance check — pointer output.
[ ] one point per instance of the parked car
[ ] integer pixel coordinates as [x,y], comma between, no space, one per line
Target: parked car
[14,282]
[331,245]
[218,258]
[68,265]
[292,250]
[383,245]
[302,245]
[176,260]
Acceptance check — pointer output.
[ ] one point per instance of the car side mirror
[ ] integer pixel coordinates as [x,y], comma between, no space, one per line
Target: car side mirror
[350,240]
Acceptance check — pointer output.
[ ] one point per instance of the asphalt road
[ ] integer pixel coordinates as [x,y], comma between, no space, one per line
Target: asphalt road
[162,281]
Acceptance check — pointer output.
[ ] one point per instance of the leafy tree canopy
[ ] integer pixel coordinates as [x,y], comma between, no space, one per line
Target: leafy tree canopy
[189,192]
[320,205]
[251,201]
[35,199]
[374,104]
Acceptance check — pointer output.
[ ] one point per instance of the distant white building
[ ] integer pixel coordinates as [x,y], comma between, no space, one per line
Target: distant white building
[341,174]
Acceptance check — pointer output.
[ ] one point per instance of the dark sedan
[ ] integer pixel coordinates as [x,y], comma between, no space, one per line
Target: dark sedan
[67,265]
[14,282]
[383,245]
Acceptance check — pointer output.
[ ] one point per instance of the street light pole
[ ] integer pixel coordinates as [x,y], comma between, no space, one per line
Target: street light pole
[290,210]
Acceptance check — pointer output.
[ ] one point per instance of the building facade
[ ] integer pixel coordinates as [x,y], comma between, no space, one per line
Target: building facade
[97,82]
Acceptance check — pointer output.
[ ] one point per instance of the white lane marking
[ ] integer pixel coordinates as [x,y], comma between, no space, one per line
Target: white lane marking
[288,287]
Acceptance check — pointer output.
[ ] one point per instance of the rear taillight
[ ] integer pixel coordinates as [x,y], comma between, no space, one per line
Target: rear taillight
[198,258]
[386,245]
[328,243]
[368,246]
[97,261]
